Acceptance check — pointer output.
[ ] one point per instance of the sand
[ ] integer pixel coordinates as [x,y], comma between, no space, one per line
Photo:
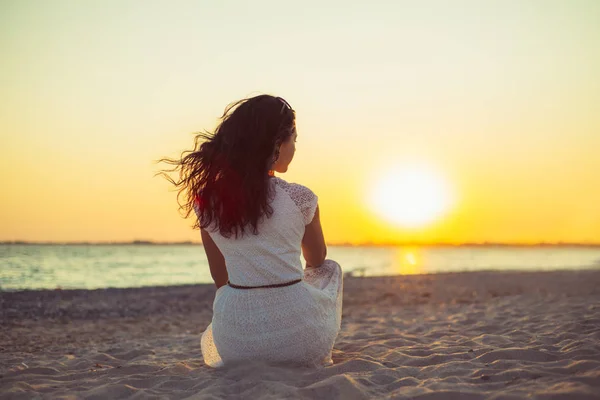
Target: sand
[480,335]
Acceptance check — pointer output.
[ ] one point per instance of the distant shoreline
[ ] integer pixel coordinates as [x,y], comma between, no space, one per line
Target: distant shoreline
[374,245]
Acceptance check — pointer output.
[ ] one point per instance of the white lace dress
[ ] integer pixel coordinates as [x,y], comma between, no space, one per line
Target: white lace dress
[294,324]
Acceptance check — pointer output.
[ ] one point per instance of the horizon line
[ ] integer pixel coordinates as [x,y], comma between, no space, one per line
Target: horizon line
[333,244]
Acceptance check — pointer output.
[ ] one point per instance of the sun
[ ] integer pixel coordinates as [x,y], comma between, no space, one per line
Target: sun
[411,196]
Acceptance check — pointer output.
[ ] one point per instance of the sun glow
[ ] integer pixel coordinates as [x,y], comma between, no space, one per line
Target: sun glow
[410,196]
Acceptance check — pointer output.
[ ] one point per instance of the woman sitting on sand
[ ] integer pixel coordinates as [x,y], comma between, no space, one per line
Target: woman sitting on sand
[253,226]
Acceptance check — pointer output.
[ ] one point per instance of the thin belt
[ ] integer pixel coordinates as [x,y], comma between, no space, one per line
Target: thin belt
[276,285]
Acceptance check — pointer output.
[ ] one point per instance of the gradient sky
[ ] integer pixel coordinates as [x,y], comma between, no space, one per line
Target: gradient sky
[502,98]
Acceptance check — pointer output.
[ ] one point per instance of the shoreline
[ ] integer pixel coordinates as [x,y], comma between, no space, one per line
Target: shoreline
[340,244]
[355,274]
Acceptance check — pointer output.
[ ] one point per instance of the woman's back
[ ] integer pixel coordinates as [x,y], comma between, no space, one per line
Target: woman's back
[273,255]
[296,323]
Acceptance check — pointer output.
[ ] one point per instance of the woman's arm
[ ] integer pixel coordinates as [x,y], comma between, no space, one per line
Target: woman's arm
[313,242]
[216,261]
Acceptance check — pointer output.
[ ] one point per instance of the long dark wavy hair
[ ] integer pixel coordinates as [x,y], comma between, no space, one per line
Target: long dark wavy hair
[225,178]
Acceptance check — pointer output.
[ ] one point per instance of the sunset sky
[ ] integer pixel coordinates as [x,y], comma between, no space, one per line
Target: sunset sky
[500,99]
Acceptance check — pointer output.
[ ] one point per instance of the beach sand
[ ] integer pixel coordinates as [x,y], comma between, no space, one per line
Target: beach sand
[480,335]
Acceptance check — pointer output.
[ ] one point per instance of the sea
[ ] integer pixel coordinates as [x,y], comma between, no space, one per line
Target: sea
[94,266]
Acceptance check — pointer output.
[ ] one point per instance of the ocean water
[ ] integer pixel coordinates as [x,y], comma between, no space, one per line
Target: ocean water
[100,266]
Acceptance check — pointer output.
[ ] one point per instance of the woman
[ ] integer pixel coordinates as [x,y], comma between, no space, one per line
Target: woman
[254,226]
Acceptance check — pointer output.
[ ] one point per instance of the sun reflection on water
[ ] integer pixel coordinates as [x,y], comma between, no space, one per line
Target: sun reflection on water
[409,261]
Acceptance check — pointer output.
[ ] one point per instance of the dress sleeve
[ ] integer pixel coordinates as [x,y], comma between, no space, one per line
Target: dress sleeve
[306,201]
